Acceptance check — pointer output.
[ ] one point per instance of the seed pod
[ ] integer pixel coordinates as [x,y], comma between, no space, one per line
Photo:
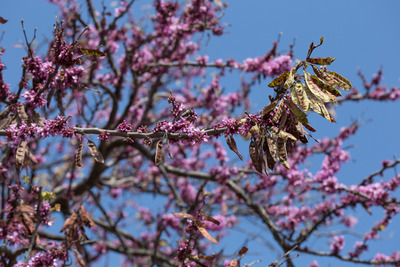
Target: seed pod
[321,60]
[282,152]
[21,112]
[95,152]
[78,156]
[279,80]
[256,159]
[20,154]
[159,156]
[232,145]
[266,147]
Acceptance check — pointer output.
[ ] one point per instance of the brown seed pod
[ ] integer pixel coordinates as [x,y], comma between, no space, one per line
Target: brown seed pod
[159,155]
[20,154]
[232,145]
[256,159]
[95,152]
[78,156]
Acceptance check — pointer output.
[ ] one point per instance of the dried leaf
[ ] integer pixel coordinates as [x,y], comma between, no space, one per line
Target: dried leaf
[21,112]
[95,152]
[243,251]
[159,155]
[78,156]
[321,60]
[2,20]
[232,145]
[69,222]
[204,232]
[20,154]
[256,159]
[211,219]
[92,52]
[279,80]
[183,215]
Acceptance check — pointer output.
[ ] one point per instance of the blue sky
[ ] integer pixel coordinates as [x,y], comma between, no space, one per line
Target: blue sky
[359,34]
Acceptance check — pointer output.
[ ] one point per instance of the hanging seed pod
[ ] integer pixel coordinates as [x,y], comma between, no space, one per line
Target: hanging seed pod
[21,112]
[95,152]
[270,159]
[282,152]
[159,155]
[78,156]
[256,159]
[20,154]
[232,145]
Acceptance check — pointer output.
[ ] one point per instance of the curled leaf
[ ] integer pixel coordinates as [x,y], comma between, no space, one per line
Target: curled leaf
[95,152]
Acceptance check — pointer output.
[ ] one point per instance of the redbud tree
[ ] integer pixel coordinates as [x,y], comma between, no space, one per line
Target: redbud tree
[121,141]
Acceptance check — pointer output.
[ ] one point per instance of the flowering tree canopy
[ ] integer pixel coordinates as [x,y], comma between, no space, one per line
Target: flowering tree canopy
[121,140]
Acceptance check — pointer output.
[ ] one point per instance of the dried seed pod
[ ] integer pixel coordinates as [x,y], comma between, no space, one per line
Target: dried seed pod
[267,147]
[232,145]
[256,159]
[282,152]
[95,152]
[321,60]
[78,156]
[21,112]
[159,155]
[20,154]
[5,113]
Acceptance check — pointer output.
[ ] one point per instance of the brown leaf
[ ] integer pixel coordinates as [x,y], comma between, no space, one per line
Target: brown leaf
[232,145]
[87,218]
[243,251]
[95,152]
[159,155]
[211,219]
[69,222]
[2,20]
[204,232]
[20,154]
[78,156]
[183,215]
